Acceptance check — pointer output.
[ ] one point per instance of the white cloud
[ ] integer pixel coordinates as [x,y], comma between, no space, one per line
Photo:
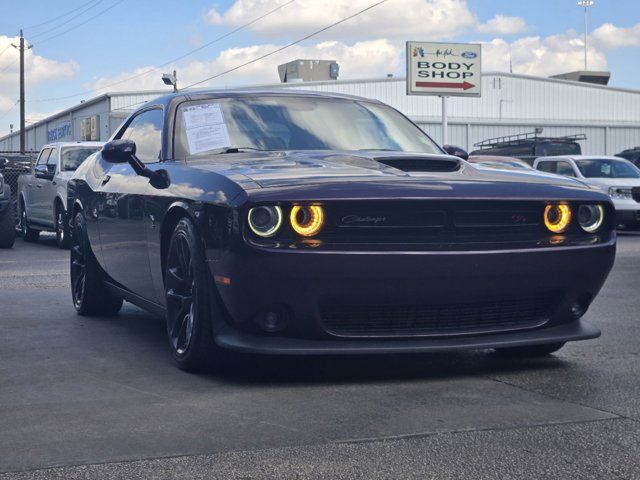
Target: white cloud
[372,58]
[38,70]
[433,19]
[541,56]
[503,25]
[608,36]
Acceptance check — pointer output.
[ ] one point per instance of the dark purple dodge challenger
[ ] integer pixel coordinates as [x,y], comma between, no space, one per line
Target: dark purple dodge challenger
[289,222]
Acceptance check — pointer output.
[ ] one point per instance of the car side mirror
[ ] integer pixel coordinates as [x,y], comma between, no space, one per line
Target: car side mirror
[124,151]
[42,171]
[456,151]
[119,151]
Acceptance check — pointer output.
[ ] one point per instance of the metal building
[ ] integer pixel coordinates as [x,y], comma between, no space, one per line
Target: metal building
[510,104]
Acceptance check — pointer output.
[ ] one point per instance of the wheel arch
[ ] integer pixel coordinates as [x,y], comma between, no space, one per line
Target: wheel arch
[173,215]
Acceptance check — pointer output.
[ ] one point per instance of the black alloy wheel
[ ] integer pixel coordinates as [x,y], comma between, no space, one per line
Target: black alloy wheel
[28,234]
[62,229]
[187,290]
[90,297]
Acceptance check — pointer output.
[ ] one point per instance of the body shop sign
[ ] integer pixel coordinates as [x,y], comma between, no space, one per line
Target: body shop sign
[444,69]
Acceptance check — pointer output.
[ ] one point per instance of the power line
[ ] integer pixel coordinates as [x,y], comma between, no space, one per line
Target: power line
[285,46]
[81,23]
[59,16]
[56,27]
[155,69]
[10,109]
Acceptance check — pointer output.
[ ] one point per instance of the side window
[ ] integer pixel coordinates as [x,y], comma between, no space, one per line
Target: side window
[565,168]
[52,162]
[549,167]
[146,130]
[43,157]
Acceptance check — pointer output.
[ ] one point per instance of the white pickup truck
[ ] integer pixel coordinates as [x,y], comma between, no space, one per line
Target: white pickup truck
[42,195]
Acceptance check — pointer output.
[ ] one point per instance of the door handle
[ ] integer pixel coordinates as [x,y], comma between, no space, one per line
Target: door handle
[29,185]
[105,179]
[38,185]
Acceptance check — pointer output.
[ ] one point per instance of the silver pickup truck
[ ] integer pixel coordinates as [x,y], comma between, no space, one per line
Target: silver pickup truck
[42,195]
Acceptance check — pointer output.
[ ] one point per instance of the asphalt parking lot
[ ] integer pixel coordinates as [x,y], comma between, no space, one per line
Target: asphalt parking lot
[100,398]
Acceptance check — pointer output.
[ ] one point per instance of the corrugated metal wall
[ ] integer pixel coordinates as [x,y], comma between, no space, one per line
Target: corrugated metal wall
[510,104]
[513,104]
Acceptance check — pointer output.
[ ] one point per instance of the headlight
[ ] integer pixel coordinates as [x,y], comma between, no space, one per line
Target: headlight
[590,217]
[307,221]
[557,217]
[620,193]
[265,221]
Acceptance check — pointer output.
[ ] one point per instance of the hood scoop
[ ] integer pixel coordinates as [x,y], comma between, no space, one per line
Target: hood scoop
[422,164]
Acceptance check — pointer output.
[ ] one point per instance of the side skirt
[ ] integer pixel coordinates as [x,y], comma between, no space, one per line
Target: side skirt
[137,300]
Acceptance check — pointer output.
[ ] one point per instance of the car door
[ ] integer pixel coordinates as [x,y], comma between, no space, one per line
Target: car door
[122,221]
[34,200]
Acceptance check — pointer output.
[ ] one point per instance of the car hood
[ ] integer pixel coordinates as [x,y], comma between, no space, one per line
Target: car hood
[605,183]
[290,168]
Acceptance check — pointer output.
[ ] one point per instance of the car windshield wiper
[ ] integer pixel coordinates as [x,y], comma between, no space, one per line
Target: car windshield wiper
[241,149]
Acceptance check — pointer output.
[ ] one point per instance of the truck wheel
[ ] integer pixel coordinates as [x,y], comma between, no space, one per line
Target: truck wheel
[7,228]
[187,292]
[62,228]
[90,297]
[28,234]
[531,350]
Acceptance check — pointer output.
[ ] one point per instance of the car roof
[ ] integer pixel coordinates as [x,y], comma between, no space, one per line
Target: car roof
[73,144]
[213,93]
[581,157]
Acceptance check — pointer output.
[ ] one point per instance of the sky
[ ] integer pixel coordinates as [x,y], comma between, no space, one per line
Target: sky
[81,49]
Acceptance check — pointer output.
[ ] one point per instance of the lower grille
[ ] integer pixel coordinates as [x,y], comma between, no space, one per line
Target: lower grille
[435,320]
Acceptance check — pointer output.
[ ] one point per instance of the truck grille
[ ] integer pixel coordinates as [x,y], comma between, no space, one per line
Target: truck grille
[435,320]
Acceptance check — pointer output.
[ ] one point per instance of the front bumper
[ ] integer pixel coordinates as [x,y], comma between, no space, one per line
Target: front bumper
[300,281]
[232,339]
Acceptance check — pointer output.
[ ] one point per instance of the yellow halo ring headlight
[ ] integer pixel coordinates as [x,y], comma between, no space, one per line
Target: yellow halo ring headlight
[557,217]
[306,221]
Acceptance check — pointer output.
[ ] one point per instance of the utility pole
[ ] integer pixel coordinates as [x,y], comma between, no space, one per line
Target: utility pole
[586,4]
[22,122]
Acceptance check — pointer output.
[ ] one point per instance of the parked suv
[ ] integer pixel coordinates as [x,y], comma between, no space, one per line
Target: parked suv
[615,176]
[7,223]
[631,154]
[42,201]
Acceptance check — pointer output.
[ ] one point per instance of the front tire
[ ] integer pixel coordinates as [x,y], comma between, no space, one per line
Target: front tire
[7,228]
[187,290]
[62,228]
[90,297]
[531,350]
[29,234]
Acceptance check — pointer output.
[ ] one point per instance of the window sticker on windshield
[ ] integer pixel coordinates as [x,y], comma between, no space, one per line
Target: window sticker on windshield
[205,128]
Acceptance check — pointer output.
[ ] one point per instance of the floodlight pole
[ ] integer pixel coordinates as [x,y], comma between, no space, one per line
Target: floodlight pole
[586,4]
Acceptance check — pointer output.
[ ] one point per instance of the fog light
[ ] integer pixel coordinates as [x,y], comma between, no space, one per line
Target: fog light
[273,320]
[557,217]
[578,309]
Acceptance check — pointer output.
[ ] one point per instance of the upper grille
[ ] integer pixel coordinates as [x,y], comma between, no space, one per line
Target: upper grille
[435,320]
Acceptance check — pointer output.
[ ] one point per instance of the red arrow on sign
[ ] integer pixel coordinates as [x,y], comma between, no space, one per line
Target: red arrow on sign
[463,86]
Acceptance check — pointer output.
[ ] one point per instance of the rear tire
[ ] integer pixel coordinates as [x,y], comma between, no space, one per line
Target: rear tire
[62,228]
[90,296]
[7,228]
[29,234]
[187,291]
[531,350]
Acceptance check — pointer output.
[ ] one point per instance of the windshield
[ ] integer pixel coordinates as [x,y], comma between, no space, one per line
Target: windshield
[72,157]
[294,123]
[607,169]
